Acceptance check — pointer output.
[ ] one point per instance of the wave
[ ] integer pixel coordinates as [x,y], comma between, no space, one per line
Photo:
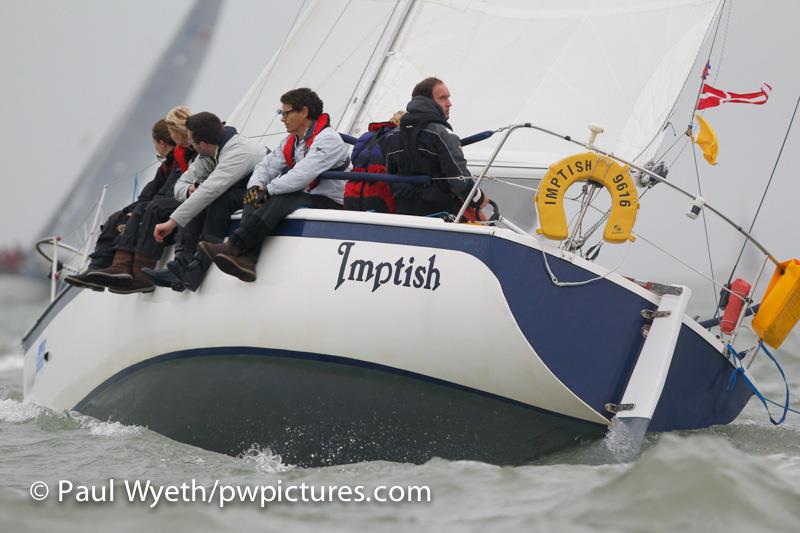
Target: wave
[669,480]
[266,462]
[15,411]
[108,428]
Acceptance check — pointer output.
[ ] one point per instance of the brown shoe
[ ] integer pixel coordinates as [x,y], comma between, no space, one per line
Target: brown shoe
[118,274]
[140,282]
[213,249]
[239,266]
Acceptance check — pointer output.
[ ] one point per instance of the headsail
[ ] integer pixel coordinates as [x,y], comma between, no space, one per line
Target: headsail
[329,48]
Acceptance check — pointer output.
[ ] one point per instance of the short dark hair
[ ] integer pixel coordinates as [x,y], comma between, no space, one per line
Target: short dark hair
[297,98]
[205,127]
[161,132]
[425,87]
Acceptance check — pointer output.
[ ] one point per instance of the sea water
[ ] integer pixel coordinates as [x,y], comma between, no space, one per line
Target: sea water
[741,477]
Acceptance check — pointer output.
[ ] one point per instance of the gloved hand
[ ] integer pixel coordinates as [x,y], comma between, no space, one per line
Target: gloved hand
[255,196]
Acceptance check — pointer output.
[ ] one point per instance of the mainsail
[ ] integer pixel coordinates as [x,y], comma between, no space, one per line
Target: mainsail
[616,63]
[126,146]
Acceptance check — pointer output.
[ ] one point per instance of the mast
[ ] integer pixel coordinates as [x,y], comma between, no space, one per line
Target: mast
[375,66]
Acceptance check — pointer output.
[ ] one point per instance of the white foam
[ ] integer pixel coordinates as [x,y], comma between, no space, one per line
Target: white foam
[14,411]
[11,362]
[108,429]
[266,462]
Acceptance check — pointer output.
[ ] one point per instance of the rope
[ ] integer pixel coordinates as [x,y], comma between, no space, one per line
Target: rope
[559,283]
[764,195]
[678,138]
[739,370]
[779,405]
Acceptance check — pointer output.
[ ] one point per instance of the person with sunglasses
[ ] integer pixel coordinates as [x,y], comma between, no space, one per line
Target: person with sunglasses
[285,180]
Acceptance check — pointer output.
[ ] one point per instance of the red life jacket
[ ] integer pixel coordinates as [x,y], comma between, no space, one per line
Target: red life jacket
[179,152]
[369,156]
[323,121]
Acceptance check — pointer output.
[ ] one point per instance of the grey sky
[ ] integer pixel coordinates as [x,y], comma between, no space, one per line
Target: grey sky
[70,68]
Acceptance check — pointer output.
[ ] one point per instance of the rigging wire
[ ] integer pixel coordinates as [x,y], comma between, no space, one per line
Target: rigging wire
[324,41]
[708,59]
[766,189]
[283,45]
[672,110]
[80,225]
[724,42]
[369,61]
[705,227]
[313,57]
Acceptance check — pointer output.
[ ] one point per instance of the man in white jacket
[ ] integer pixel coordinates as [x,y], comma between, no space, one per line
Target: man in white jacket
[285,180]
[212,189]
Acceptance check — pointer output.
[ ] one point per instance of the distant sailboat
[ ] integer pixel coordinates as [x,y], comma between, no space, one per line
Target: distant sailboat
[126,148]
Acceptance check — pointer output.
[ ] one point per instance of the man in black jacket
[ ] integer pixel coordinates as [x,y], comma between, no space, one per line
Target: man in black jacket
[424,145]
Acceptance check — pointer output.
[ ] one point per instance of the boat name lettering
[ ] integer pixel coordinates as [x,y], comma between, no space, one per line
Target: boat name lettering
[552,193]
[401,272]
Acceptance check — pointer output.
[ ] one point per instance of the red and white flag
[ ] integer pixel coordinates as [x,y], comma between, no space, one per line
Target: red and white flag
[712,97]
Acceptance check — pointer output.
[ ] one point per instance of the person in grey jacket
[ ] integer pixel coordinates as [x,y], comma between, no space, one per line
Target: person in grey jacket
[285,180]
[423,144]
[212,189]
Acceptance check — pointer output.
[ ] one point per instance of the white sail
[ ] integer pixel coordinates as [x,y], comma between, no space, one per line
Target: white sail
[616,63]
[328,50]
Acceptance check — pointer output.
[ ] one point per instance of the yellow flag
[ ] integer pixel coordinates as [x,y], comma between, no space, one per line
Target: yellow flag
[707,141]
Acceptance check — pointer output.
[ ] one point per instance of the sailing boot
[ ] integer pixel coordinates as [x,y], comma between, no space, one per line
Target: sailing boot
[140,282]
[194,273]
[231,260]
[83,279]
[213,249]
[118,274]
[171,276]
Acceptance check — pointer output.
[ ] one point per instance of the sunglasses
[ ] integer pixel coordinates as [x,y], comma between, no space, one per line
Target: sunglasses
[285,114]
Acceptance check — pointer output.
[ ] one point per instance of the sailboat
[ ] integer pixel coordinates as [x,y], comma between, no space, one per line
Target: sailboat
[387,337]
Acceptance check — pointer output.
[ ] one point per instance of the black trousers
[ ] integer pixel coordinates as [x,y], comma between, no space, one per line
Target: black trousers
[424,200]
[258,223]
[138,234]
[107,241]
[213,223]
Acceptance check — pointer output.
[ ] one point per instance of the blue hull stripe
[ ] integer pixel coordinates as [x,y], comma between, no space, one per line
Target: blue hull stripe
[589,336]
